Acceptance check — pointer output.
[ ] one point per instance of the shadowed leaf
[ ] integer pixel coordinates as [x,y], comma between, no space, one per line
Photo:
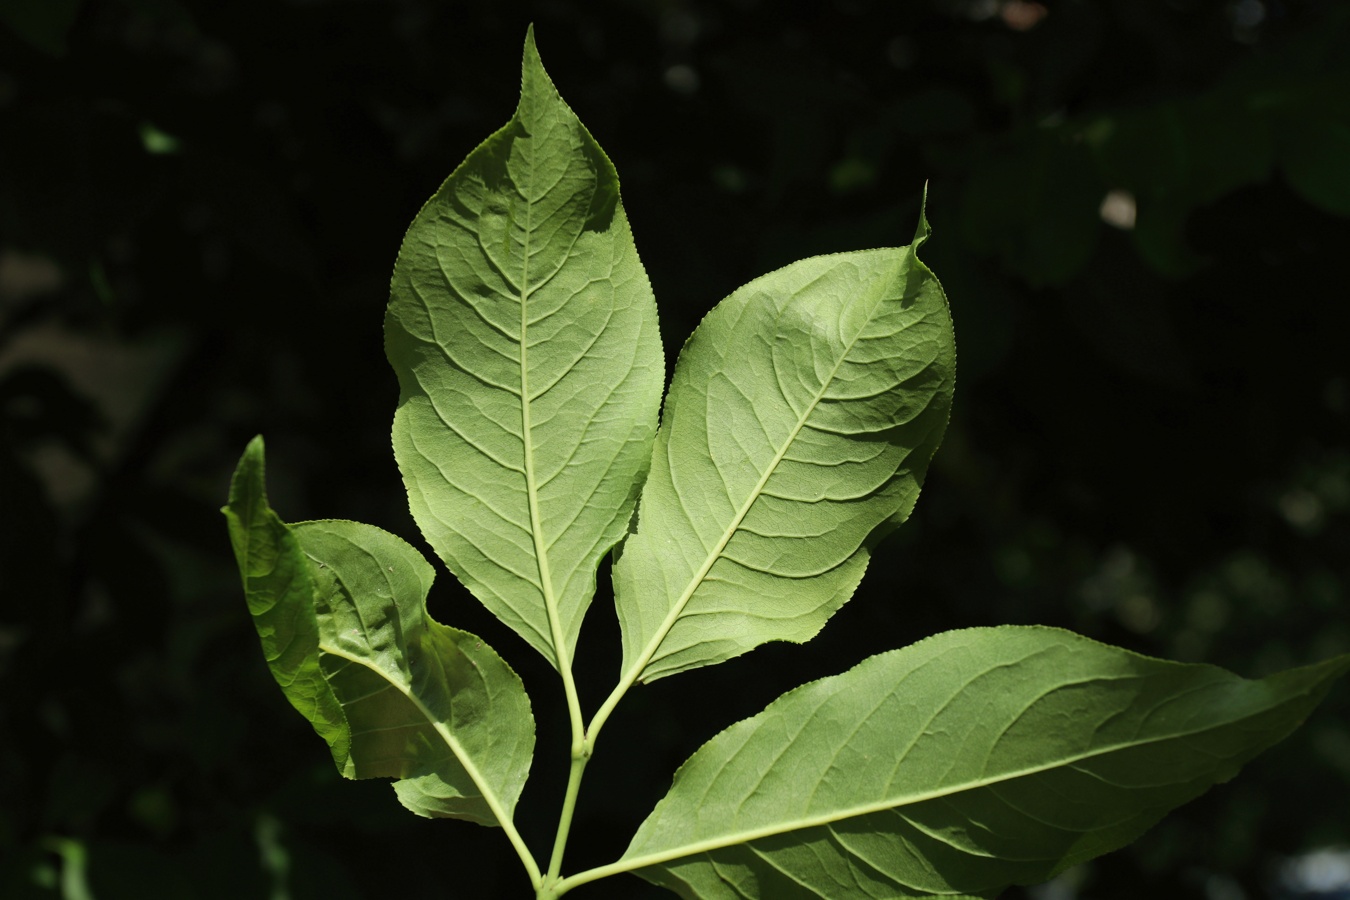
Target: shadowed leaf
[341,610]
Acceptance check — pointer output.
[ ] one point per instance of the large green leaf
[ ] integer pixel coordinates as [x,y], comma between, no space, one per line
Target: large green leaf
[801,419]
[958,766]
[341,611]
[523,330]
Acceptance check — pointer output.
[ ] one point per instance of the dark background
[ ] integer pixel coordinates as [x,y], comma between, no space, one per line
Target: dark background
[200,204]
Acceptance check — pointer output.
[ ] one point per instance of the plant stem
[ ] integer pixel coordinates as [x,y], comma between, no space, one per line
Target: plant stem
[602,714]
[580,756]
[526,858]
[587,876]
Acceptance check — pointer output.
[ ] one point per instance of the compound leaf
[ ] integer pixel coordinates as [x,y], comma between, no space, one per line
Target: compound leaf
[798,427]
[341,611]
[523,331]
[958,766]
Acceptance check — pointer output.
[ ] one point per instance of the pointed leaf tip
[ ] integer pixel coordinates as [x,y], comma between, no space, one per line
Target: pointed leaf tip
[533,77]
[531,48]
[246,471]
[279,592]
[923,230]
[523,330]
[800,422]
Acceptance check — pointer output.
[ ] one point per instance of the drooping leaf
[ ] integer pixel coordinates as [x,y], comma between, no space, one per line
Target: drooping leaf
[797,431]
[280,595]
[341,610]
[958,766]
[523,330]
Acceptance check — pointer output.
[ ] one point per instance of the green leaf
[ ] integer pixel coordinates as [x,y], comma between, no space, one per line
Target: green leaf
[960,765]
[796,434]
[280,596]
[341,610]
[524,334]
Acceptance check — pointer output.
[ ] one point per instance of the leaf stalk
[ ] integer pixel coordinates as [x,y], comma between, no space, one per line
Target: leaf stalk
[579,759]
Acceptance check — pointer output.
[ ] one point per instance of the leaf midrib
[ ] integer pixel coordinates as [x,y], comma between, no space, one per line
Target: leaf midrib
[714,555]
[461,755]
[755,834]
[560,654]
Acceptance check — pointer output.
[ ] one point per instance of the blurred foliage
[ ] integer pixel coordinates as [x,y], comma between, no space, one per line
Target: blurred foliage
[199,208]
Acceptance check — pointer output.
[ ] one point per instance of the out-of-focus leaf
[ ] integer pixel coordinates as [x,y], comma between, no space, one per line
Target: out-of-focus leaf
[797,431]
[42,23]
[341,610]
[960,765]
[1177,156]
[523,330]
[1314,143]
[1033,204]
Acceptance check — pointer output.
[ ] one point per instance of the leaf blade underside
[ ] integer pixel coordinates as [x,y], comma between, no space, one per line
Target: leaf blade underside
[400,695]
[280,597]
[796,434]
[958,766]
[523,331]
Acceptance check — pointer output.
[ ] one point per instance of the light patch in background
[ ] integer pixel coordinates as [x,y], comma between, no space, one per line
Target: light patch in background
[120,379]
[1321,873]
[1246,17]
[1118,209]
[1247,13]
[157,142]
[682,79]
[1301,508]
[979,10]
[73,880]
[1318,490]
[1067,885]
[26,275]
[1222,887]
[1125,586]
[1020,15]
[272,853]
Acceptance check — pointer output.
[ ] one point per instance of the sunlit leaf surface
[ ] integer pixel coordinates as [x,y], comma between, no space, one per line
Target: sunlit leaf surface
[958,766]
[797,431]
[523,330]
